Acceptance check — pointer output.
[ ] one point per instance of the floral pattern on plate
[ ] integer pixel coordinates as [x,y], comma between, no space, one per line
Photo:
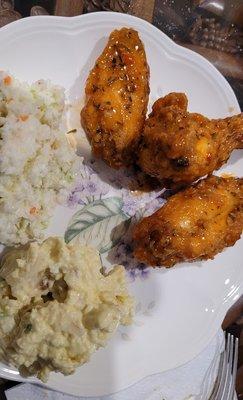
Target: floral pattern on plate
[106,211]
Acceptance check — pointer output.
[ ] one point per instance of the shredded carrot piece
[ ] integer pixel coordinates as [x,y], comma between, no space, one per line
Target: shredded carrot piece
[33,211]
[7,80]
[23,117]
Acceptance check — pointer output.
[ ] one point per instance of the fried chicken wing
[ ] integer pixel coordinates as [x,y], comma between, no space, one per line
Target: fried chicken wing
[181,147]
[196,223]
[117,93]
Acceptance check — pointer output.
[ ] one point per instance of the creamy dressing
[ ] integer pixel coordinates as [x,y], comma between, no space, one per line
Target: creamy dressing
[57,307]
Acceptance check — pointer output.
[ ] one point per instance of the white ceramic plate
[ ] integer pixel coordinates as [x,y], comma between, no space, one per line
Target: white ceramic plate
[178,310]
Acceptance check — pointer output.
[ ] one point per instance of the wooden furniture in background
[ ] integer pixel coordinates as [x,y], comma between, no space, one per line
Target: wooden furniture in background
[142,9]
[68,8]
[228,64]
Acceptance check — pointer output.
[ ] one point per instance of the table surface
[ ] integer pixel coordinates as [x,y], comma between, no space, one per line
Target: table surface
[213,28]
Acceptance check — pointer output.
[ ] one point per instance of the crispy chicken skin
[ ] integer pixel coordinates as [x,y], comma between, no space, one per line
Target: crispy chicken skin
[117,93]
[181,147]
[196,223]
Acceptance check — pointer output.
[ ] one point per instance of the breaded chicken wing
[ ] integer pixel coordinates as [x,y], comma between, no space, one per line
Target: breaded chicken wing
[117,93]
[196,223]
[181,147]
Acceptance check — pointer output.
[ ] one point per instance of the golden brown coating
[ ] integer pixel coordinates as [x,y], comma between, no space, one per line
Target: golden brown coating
[117,93]
[181,147]
[196,223]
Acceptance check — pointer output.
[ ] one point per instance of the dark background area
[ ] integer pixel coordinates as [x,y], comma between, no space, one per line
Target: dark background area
[24,7]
